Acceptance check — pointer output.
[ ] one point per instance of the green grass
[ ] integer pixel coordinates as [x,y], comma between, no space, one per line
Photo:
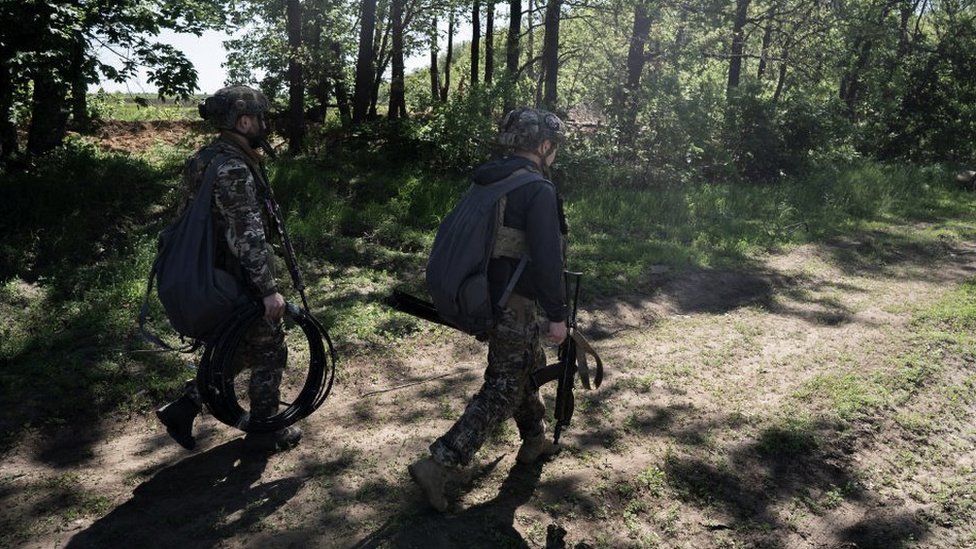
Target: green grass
[618,234]
[141,107]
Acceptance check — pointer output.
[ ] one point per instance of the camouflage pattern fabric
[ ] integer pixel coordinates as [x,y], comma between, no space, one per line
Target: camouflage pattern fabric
[244,251]
[246,254]
[263,352]
[525,128]
[514,352]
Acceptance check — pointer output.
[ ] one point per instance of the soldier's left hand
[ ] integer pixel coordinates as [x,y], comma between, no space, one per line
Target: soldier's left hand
[274,307]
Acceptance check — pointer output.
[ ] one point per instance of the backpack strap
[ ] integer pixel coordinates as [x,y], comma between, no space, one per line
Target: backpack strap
[206,189]
[509,241]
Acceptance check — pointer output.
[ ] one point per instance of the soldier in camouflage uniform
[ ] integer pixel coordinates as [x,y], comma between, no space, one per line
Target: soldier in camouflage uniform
[536,309]
[240,218]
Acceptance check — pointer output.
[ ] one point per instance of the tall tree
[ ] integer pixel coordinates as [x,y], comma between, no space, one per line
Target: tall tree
[475,40]
[365,61]
[550,53]
[490,43]
[636,59]
[738,42]
[435,81]
[296,79]
[447,60]
[512,52]
[398,102]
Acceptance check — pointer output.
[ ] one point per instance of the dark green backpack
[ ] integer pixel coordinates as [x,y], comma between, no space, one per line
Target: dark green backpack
[197,296]
[457,270]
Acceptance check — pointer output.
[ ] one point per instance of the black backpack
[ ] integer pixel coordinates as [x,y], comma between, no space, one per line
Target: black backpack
[197,296]
[457,270]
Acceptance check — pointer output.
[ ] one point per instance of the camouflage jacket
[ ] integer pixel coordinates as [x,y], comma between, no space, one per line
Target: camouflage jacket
[241,223]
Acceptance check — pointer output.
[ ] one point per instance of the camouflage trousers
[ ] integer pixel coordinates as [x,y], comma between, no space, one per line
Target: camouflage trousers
[262,351]
[514,352]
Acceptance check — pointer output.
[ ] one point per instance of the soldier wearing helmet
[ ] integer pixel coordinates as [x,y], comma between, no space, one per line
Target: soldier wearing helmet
[537,309]
[242,228]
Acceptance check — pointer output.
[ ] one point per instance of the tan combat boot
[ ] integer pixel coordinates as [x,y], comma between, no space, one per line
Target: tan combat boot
[431,477]
[536,447]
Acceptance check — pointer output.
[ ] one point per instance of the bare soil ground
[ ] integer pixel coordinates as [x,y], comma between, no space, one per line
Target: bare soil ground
[138,136]
[771,408]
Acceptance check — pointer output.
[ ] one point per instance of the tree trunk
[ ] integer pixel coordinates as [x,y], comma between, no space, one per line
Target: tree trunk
[490,43]
[475,41]
[850,84]
[766,42]
[512,51]
[341,89]
[447,61]
[636,55]
[906,11]
[781,81]
[8,130]
[365,62]
[550,54]
[380,43]
[636,59]
[435,80]
[79,85]
[679,34]
[530,41]
[738,41]
[49,118]
[398,102]
[296,79]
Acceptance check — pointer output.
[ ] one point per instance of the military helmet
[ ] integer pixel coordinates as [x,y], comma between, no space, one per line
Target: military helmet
[526,128]
[225,106]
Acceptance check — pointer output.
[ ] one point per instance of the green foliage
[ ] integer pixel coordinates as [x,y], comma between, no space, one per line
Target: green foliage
[127,107]
[457,136]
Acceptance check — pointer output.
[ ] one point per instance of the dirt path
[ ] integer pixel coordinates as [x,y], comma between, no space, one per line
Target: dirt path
[796,405]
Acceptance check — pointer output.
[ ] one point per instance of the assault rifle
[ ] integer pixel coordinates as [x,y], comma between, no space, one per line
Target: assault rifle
[572,363]
[572,352]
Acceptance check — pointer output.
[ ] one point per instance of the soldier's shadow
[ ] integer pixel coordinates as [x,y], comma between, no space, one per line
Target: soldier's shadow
[487,524]
[200,500]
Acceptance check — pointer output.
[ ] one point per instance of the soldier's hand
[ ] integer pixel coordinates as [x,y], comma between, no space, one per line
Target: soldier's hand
[557,332]
[274,307]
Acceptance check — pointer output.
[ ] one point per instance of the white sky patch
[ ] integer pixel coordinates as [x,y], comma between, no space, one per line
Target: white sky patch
[207,53]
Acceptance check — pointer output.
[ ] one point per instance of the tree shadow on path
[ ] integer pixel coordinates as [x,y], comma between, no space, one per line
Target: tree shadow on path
[204,498]
[488,524]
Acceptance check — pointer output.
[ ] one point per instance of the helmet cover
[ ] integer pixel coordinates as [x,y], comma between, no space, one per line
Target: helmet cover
[224,107]
[526,128]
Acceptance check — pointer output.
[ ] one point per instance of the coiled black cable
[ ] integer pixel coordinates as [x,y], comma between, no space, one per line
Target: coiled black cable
[216,372]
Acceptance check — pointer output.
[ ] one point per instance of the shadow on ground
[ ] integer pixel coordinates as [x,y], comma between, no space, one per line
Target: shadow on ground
[488,524]
[204,498]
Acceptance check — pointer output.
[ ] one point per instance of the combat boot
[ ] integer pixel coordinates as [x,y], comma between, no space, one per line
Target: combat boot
[536,447]
[178,418]
[278,441]
[431,477]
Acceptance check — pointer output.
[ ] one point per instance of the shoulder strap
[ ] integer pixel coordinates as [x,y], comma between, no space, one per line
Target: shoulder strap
[209,156]
[517,179]
[508,241]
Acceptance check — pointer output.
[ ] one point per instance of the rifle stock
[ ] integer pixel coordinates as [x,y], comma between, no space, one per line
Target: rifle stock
[414,306]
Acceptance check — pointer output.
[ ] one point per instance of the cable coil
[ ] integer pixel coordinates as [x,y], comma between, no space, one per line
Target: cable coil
[216,373]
